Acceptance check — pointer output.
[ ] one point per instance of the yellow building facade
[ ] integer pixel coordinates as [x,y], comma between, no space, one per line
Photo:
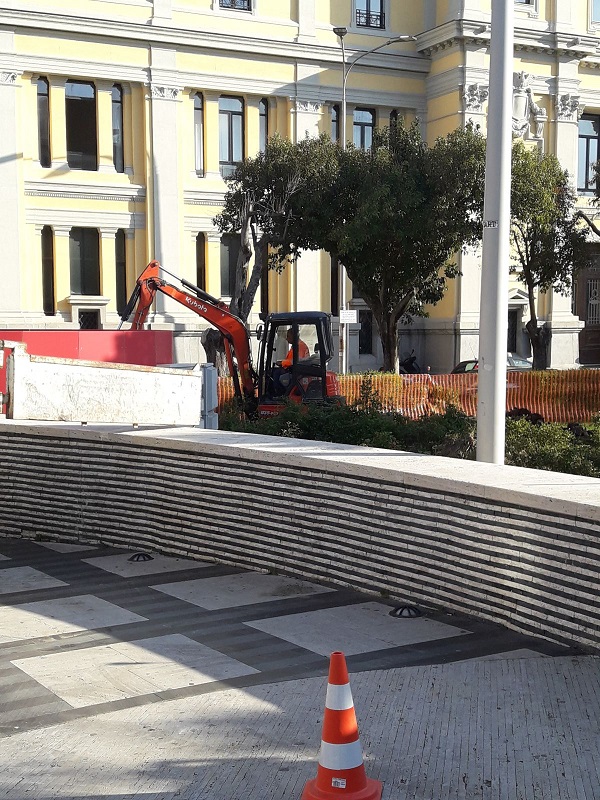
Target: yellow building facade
[120,120]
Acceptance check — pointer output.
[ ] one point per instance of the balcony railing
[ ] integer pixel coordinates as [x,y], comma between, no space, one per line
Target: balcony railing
[236,5]
[370,19]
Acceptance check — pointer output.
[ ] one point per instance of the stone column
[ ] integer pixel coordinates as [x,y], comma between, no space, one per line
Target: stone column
[108,266]
[166,195]
[306,21]
[106,163]
[213,263]
[211,126]
[564,349]
[58,124]
[62,270]
[161,10]
[11,302]
[252,126]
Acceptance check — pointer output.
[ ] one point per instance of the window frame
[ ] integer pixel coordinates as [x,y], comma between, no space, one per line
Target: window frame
[370,15]
[588,189]
[363,126]
[76,159]
[201,240]
[48,278]
[336,128]
[121,295]
[594,13]
[227,165]
[80,278]
[232,5]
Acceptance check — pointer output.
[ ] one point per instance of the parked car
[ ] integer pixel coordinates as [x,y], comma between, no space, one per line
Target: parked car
[514,363]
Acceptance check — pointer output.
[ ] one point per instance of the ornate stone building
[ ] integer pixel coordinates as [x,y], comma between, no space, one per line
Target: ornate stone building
[119,121]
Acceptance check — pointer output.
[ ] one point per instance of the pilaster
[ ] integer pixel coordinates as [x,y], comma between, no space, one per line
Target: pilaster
[306,21]
[307,119]
[10,195]
[213,263]
[252,124]
[58,124]
[62,269]
[106,163]
[211,145]
[108,265]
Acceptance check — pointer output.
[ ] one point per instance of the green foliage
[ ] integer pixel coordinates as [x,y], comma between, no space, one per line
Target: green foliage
[548,446]
[553,447]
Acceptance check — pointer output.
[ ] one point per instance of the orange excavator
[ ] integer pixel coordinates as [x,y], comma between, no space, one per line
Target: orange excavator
[295,348]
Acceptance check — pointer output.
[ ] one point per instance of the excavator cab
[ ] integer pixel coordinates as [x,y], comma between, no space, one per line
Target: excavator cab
[295,349]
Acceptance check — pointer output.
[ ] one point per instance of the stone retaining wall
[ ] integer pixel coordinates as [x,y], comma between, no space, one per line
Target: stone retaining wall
[517,546]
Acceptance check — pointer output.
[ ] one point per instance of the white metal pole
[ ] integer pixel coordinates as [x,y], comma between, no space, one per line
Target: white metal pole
[342,269]
[493,323]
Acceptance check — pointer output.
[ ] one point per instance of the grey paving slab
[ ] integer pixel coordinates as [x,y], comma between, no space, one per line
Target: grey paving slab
[23,579]
[354,629]
[236,590]
[65,547]
[51,617]
[121,565]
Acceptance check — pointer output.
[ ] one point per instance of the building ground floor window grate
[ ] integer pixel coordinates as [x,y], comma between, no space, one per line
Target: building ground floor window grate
[89,320]
[370,19]
[236,5]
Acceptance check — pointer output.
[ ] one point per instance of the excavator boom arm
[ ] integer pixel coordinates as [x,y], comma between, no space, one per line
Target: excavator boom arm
[237,342]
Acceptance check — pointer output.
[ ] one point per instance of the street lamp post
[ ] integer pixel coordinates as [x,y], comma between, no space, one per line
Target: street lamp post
[346,68]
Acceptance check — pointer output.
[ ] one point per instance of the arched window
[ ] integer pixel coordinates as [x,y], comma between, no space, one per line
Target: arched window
[82,141]
[201,261]
[121,270]
[263,130]
[335,123]
[117,127]
[48,271]
[43,107]
[364,124]
[230,248]
[393,120]
[199,133]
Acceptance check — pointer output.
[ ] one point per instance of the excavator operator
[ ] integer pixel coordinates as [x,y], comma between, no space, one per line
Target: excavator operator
[280,379]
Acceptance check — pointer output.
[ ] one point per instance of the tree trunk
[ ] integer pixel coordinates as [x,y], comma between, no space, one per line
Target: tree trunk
[539,337]
[389,342]
[212,341]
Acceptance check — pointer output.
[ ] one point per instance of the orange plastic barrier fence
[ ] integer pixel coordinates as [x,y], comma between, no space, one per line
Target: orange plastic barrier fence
[559,396]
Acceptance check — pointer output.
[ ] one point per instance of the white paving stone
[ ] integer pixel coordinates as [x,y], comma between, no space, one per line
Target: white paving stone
[127,669]
[121,565]
[239,590]
[65,615]
[24,579]
[354,629]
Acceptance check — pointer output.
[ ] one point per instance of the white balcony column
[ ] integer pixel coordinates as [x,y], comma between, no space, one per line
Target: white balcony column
[10,194]
[166,192]
[306,21]
[106,162]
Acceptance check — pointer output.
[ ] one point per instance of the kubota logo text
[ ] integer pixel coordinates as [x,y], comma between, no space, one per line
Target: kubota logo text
[195,304]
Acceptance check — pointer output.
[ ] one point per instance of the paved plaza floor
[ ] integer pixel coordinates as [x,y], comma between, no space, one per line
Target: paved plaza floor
[168,678]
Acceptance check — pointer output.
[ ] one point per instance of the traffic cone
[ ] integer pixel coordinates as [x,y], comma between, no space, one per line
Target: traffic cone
[341,773]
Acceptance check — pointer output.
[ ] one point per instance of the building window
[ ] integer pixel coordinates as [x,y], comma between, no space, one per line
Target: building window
[201,261]
[589,132]
[43,108]
[48,271]
[84,258]
[335,286]
[369,14]
[236,5]
[199,133]
[263,125]
[230,250]
[231,134]
[393,120]
[335,123]
[82,144]
[364,124]
[121,271]
[117,127]
[525,2]
[592,302]
[365,335]
[595,10]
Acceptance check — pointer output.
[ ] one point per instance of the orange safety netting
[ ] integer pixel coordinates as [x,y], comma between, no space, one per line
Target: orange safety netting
[559,396]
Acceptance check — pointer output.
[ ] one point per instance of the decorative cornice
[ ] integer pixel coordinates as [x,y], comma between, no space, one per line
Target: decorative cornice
[42,188]
[307,106]
[8,78]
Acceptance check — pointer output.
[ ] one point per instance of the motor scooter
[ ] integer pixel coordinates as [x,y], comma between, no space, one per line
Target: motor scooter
[409,365]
